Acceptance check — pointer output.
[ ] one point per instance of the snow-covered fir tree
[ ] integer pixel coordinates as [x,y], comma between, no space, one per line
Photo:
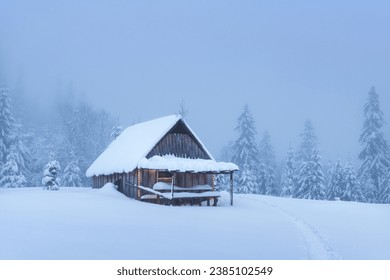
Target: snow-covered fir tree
[336,184]
[7,122]
[10,176]
[50,174]
[289,177]
[116,131]
[72,176]
[266,181]
[247,180]
[308,143]
[84,131]
[266,151]
[22,152]
[266,175]
[369,189]
[385,189]
[352,190]
[245,153]
[311,178]
[221,182]
[375,153]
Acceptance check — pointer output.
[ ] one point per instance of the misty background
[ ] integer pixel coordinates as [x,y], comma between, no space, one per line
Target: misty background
[288,60]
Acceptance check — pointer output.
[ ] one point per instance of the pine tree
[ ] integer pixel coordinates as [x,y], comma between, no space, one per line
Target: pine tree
[71,177]
[247,181]
[84,131]
[266,151]
[116,131]
[22,152]
[289,177]
[311,178]
[353,190]
[221,182]
[246,153]
[7,122]
[375,154]
[10,174]
[266,181]
[308,143]
[385,189]
[50,174]
[267,166]
[336,184]
[369,191]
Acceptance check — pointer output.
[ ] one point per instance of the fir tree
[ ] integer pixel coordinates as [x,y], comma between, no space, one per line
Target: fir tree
[266,181]
[84,131]
[10,174]
[22,152]
[266,151]
[71,177]
[289,176]
[221,182]
[267,166]
[50,174]
[246,153]
[353,190]
[375,153]
[308,143]
[6,124]
[336,184]
[311,178]
[385,189]
[369,190]
[116,131]
[247,181]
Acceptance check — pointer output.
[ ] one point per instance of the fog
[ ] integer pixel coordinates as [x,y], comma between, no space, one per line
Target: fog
[289,60]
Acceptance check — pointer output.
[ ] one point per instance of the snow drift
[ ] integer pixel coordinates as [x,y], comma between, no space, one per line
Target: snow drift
[83,223]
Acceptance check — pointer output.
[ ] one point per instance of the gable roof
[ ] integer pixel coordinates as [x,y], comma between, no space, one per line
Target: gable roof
[133,145]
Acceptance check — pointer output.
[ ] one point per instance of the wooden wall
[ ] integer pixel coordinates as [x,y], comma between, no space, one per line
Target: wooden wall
[182,179]
[118,179]
[179,141]
[148,178]
[193,179]
[126,181]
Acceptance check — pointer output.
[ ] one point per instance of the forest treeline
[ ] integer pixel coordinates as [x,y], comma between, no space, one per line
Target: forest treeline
[303,174]
[57,152]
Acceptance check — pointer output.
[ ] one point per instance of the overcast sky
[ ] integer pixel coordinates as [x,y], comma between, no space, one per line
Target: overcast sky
[288,60]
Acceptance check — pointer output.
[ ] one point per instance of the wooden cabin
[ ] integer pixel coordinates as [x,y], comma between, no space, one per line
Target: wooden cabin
[161,160]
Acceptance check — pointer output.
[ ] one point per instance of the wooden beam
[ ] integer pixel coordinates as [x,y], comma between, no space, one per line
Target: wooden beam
[231,188]
[139,183]
[173,186]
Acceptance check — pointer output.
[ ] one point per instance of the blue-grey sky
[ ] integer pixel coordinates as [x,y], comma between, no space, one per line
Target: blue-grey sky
[289,60]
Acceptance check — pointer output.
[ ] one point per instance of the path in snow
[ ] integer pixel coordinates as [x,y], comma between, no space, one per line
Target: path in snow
[316,246]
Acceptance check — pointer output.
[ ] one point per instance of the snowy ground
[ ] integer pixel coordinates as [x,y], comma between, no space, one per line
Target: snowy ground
[83,223]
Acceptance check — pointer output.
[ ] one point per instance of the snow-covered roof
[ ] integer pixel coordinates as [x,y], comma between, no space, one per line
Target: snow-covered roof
[172,163]
[133,145]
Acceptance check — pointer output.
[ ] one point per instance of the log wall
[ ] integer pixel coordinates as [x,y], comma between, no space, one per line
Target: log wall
[179,141]
[119,179]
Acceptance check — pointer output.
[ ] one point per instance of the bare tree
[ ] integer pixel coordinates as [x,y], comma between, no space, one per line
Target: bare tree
[183,110]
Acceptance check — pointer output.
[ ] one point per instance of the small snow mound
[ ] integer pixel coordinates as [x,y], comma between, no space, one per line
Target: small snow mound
[224,200]
[109,188]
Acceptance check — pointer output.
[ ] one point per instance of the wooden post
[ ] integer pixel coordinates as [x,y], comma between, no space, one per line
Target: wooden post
[231,188]
[139,183]
[172,187]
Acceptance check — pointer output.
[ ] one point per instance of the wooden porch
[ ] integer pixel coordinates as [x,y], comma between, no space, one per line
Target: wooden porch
[180,196]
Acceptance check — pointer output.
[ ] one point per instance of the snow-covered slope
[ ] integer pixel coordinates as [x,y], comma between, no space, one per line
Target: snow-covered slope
[83,223]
